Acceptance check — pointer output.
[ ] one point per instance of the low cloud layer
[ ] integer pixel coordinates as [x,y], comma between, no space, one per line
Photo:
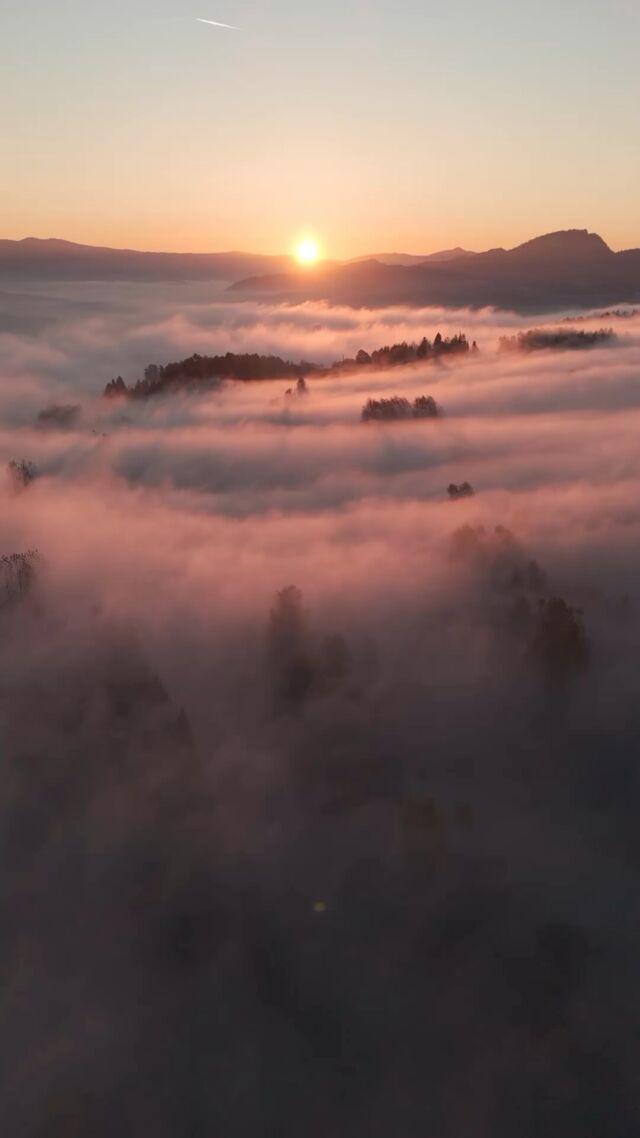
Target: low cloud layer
[356,857]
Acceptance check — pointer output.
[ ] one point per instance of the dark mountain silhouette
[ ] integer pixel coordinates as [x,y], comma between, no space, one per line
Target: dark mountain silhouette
[64,260]
[568,269]
[414,258]
[54,259]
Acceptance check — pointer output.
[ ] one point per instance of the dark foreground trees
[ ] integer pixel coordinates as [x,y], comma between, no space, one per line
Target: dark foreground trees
[460,490]
[21,473]
[536,339]
[210,370]
[394,355]
[397,408]
[60,415]
[17,577]
[299,390]
[558,645]
[288,649]
[299,663]
[197,370]
[546,631]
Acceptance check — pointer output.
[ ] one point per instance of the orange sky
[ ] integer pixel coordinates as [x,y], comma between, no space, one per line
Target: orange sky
[130,124]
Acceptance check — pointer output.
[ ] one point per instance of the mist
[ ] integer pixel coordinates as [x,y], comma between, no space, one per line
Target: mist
[318,786]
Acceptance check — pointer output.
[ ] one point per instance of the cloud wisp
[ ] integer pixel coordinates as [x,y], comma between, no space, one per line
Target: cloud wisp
[217,24]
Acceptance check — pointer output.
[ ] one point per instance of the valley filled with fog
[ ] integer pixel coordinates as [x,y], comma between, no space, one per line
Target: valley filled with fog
[312,770]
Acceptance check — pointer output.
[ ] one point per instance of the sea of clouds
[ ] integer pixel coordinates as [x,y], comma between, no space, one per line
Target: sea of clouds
[360,861]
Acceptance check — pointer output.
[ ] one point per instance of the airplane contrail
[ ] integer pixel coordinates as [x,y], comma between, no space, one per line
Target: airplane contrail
[216,24]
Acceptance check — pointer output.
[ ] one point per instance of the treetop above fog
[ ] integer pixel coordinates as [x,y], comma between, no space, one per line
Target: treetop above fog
[198,370]
[537,339]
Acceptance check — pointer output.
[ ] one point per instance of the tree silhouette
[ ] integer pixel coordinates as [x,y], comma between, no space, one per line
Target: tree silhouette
[537,339]
[425,407]
[559,645]
[116,388]
[60,415]
[461,490]
[288,656]
[397,407]
[21,473]
[17,577]
[197,370]
[380,409]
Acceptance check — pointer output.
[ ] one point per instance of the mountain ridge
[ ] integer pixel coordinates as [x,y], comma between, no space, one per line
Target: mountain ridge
[414,258]
[565,269]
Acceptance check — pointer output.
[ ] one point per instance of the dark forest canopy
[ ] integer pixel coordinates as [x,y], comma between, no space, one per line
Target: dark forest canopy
[60,415]
[17,574]
[396,407]
[249,366]
[21,473]
[457,490]
[538,339]
[198,370]
[610,314]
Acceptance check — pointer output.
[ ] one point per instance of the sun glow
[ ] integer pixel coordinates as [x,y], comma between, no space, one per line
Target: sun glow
[307,251]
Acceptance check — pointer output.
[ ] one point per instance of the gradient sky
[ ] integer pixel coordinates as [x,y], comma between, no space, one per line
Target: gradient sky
[376,124]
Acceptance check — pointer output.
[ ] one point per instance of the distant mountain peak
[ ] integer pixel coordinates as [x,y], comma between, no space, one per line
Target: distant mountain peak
[566,243]
[414,258]
[570,268]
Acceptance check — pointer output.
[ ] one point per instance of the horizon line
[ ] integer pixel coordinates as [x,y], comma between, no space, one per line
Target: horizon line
[30,237]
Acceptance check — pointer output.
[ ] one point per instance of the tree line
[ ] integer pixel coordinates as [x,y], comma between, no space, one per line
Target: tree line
[537,339]
[197,370]
[397,408]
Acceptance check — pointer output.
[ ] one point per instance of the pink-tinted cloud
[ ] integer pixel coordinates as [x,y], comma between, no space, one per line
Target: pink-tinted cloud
[415,755]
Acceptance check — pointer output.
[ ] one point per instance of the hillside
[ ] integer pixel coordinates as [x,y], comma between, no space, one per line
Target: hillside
[414,258]
[568,269]
[63,260]
[571,268]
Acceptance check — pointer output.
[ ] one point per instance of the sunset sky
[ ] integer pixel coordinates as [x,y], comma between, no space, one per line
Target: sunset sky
[373,125]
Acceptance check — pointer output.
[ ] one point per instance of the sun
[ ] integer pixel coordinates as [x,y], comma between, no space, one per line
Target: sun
[307,251]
